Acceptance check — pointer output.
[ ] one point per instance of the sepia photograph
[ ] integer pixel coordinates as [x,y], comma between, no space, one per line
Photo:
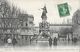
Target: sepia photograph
[39,25]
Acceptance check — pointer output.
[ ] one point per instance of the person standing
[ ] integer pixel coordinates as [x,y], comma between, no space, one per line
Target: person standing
[50,41]
[5,40]
[14,41]
[55,41]
[9,40]
[74,40]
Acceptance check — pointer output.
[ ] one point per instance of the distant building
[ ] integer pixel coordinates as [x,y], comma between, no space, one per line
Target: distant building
[76,23]
[27,25]
[55,28]
[30,23]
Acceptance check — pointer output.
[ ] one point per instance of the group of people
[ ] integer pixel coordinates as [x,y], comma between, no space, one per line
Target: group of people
[10,41]
[52,41]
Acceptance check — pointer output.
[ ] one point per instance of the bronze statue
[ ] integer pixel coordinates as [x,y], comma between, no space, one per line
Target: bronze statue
[44,13]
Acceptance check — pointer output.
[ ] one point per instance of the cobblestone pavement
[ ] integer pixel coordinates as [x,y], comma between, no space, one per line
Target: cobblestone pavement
[42,43]
[46,43]
[39,49]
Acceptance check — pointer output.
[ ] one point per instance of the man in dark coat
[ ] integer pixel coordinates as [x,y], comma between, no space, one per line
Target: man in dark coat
[5,39]
[14,41]
[55,41]
[50,41]
[74,40]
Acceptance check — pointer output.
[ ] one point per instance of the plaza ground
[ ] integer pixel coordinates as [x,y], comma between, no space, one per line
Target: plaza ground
[39,49]
[41,46]
[24,43]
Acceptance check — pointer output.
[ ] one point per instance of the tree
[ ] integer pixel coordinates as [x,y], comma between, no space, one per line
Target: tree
[11,18]
[8,14]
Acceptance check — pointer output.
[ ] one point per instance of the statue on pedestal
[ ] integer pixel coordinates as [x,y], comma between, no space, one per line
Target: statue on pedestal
[44,25]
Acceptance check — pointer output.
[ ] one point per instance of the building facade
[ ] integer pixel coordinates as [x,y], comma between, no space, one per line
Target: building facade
[55,29]
[27,26]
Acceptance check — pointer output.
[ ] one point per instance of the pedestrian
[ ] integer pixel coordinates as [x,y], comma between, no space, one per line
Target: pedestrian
[14,41]
[9,40]
[55,41]
[74,40]
[5,40]
[50,41]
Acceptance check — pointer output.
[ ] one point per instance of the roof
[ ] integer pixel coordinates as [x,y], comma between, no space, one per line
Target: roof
[60,24]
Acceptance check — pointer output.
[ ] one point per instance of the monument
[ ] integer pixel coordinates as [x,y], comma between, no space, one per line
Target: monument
[44,25]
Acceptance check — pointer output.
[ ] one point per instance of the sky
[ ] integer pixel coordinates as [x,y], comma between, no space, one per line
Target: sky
[33,7]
